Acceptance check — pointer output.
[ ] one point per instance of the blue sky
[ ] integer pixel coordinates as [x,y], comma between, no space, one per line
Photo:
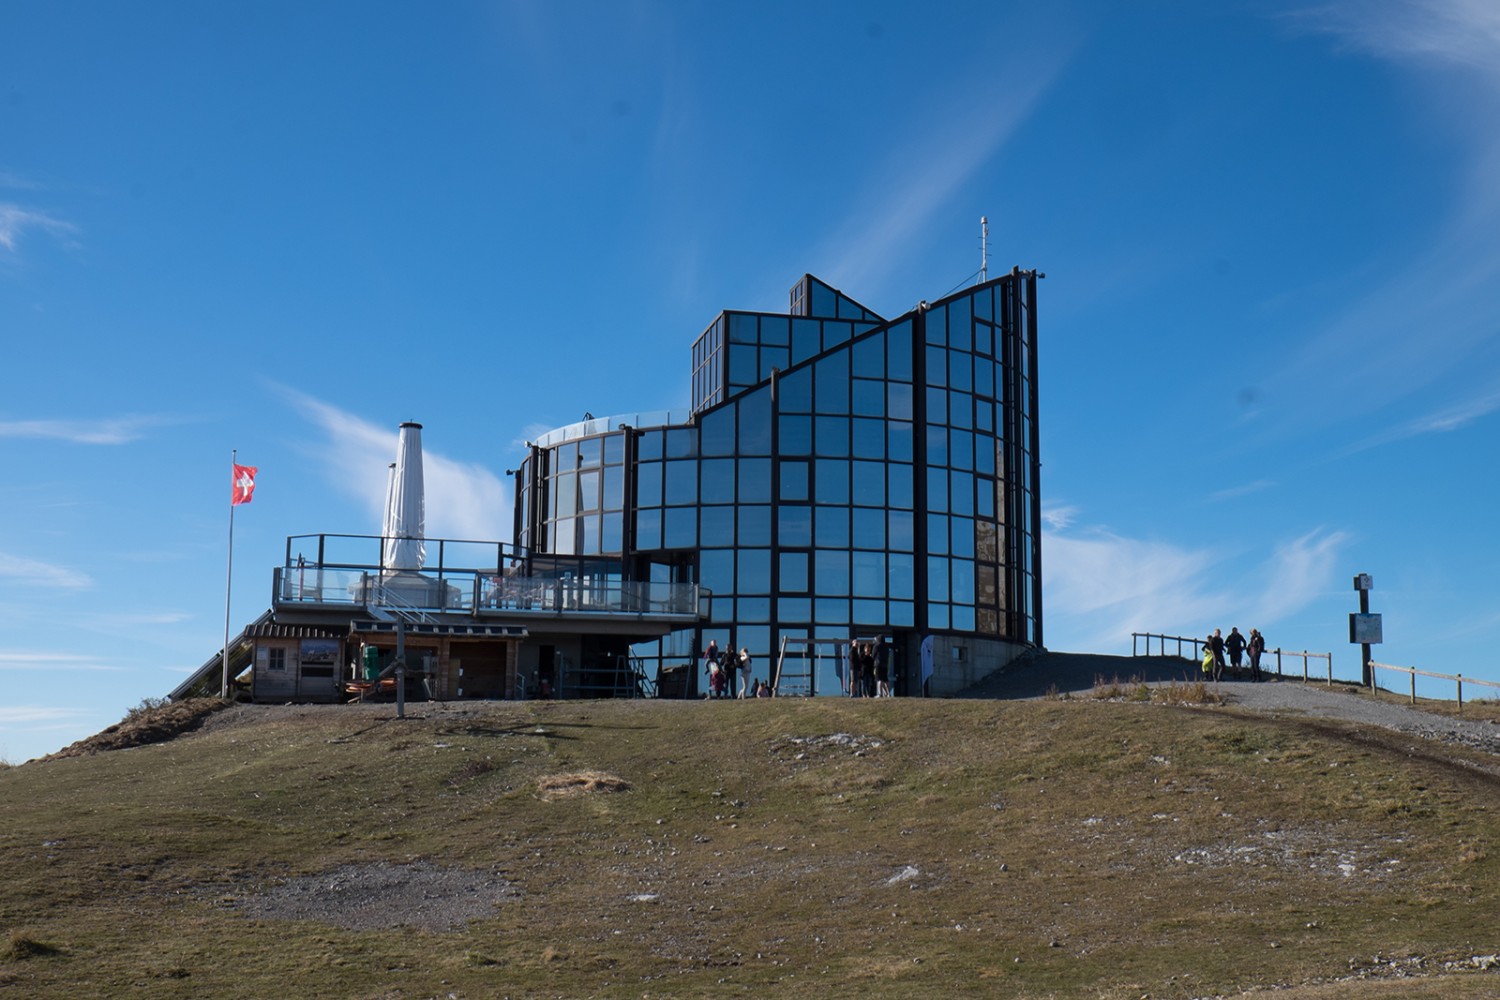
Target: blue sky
[1270,328]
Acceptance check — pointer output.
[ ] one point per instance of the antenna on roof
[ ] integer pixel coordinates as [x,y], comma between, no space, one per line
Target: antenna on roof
[984,249]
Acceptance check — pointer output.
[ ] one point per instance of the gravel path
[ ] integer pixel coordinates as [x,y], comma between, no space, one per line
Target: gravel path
[1076,673]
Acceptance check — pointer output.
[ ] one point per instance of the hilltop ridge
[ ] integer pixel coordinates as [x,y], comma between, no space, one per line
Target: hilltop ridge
[836,847]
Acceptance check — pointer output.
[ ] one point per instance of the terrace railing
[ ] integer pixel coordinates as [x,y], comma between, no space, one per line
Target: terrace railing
[1459,680]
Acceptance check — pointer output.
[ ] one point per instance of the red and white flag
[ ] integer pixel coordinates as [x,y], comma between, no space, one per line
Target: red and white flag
[242,486]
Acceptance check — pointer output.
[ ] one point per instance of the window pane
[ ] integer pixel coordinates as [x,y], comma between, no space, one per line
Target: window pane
[937,489]
[832,378]
[793,609]
[716,432]
[794,480]
[963,537]
[899,441]
[937,579]
[716,570]
[753,575]
[831,482]
[682,483]
[832,436]
[869,484]
[869,613]
[743,369]
[960,370]
[832,611]
[960,409]
[648,528]
[831,526]
[742,329]
[755,480]
[831,573]
[650,444]
[589,529]
[754,609]
[794,526]
[898,400]
[937,406]
[796,436]
[590,452]
[901,614]
[868,529]
[588,490]
[614,487]
[869,438]
[963,582]
[566,493]
[716,525]
[613,539]
[899,477]
[937,366]
[718,480]
[899,523]
[680,530]
[755,423]
[901,575]
[869,398]
[898,351]
[682,442]
[869,357]
[869,574]
[961,495]
[963,618]
[960,325]
[614,449]
[774,330]
[961,449]
[794,572]
[755,525]
[937,534]
[807,339]
[937,325]
[937,446]
[794,391]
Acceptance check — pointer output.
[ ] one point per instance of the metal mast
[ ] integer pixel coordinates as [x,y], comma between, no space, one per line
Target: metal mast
[984,249]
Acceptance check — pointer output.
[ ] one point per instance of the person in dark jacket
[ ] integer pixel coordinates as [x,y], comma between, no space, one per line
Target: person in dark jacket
[1256,646]
[1216,645]
[1235,645]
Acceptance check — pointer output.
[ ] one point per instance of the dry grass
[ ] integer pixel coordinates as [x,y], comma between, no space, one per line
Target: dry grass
[859,848]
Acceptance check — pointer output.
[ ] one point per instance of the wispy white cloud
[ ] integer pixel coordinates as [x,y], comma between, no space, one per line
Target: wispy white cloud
[1427,318]
[13,659]
[463,500]
[1058,516]
[1459,32]
[34,573]
[922,175]
[111,430]
[1444,421]
[1242,489]
[25,715]
[16,220]
[1101,587]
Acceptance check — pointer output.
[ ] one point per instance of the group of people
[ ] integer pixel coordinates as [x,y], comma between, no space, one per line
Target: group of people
[1216,646]
[723,668]
[869,674]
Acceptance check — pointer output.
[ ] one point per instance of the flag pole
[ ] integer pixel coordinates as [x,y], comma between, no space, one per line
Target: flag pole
[228,578]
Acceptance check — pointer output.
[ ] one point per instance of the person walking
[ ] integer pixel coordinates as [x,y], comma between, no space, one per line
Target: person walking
[1208,658]
[1235,644]
[1216,645]
[745,679]
[1256,646]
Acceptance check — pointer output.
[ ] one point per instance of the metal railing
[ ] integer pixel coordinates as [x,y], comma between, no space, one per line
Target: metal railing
[1197,653]
[1459,680]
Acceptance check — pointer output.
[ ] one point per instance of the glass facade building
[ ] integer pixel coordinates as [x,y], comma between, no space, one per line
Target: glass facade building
[839,474]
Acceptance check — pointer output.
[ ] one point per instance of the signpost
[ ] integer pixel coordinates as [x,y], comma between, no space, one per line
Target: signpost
[1365,628]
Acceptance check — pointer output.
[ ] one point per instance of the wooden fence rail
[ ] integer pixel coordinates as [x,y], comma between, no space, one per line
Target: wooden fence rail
[1458,679]
[1198,644]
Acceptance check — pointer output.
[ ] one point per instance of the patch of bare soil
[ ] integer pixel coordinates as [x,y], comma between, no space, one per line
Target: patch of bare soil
[378,895]
[157,724]
[565,786]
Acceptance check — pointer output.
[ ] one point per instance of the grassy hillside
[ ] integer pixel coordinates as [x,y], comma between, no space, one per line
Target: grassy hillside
[831,848]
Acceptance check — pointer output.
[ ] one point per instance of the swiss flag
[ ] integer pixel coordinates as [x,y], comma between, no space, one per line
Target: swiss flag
[242,485]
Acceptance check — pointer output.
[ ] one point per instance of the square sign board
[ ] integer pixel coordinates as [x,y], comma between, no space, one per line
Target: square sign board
[1364,629]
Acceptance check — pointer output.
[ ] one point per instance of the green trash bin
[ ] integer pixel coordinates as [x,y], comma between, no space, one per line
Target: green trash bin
[372,663]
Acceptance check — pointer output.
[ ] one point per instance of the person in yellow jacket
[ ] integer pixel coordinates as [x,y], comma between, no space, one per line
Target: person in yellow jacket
[1208,661]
